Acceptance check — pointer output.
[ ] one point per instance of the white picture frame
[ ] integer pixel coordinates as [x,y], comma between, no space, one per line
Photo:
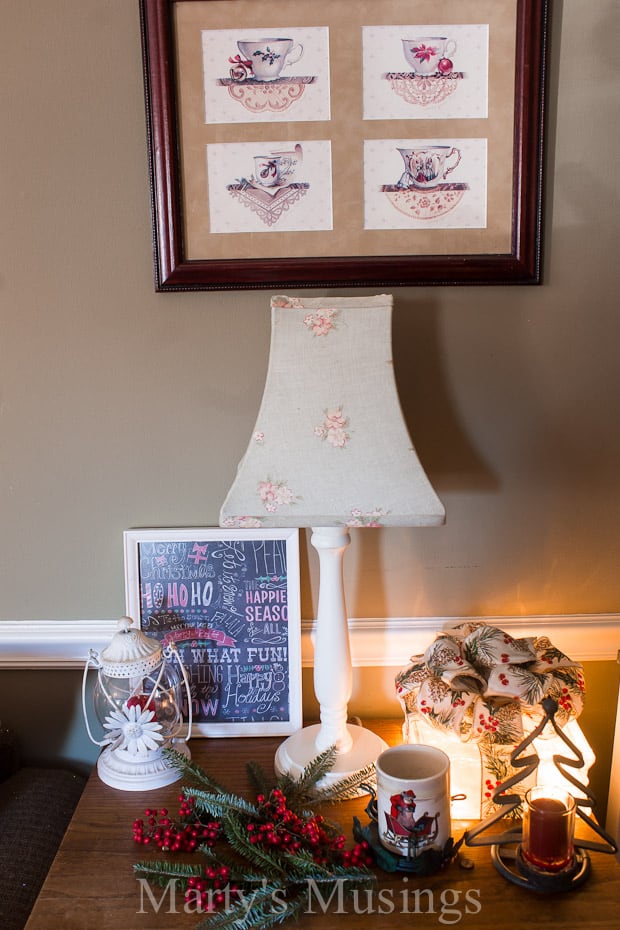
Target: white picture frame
[230,600]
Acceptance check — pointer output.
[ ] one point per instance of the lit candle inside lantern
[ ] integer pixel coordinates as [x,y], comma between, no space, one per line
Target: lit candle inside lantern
[548,828]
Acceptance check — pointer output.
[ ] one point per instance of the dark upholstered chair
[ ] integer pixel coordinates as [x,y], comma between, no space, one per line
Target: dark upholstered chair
[36,805]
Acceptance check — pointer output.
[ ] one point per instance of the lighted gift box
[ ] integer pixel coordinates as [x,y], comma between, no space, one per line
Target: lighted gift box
[476,693]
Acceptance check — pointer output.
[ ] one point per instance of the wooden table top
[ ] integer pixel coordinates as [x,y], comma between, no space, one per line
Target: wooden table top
[91,885]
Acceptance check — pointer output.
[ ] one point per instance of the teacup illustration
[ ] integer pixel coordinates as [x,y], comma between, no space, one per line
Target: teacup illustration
[425,167]
[276,169]
[269,56]
[429,54]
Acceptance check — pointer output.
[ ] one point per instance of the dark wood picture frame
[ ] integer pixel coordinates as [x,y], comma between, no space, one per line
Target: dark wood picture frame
[175,271]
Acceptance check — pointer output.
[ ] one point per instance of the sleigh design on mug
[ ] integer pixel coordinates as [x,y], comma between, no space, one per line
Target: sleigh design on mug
[406,831]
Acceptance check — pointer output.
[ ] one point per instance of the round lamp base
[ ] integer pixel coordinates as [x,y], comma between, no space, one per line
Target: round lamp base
[294,754]
[154,771]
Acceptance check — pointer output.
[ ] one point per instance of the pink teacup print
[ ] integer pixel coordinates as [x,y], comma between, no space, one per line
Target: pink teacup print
[428,54]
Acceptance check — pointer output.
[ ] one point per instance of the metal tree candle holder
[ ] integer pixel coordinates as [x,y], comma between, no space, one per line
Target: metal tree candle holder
[506,847]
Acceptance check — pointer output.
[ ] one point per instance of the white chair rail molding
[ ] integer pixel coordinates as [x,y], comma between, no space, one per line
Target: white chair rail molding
[375,642]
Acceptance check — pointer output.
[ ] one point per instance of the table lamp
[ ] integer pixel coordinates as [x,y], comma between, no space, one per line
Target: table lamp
[330,451]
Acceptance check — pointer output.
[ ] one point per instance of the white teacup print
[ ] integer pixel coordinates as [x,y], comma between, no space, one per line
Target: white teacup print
[272,170]
[426,166]
[425,54]
[269,56]
[277,168]
[289,160]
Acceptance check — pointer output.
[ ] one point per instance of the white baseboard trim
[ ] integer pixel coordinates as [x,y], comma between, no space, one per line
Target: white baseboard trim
[377,643]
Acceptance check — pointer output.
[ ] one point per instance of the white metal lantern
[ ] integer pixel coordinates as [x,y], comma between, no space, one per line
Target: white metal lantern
[138,698]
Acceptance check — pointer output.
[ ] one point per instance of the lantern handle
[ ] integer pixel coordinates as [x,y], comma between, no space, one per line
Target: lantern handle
[94,658]
[171,649]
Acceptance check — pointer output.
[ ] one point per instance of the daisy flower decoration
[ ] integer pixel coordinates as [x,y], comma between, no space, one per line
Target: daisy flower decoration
[135,729]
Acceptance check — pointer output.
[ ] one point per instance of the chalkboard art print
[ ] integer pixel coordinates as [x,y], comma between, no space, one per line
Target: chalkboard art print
[229,600]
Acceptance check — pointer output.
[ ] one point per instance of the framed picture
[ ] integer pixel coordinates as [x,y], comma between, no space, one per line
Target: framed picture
[307,145]
[229,601]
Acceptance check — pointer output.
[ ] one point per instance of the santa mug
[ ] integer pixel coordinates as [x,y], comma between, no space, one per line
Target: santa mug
[413,799]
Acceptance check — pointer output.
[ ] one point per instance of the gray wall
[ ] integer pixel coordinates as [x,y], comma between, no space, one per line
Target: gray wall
[121,407]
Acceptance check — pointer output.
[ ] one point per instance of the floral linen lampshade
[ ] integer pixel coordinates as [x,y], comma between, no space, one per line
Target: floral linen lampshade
[330,450]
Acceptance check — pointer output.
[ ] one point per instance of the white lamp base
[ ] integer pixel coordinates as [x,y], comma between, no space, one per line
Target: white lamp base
[294,754]
[116,768]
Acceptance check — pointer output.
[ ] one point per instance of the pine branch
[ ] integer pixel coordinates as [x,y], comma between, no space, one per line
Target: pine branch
[258,777]
[271,874]
[293,867]
[222,804]
[304,867]
[239,839]
[346,788]
[239,870]
[187,767]
[161,871]
[266,909]
[299,790]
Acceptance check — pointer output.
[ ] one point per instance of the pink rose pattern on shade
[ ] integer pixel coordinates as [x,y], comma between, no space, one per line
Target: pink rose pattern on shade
[333,429]
[373,518]
[288,303]
[242,523]
[321,322]
[275,494]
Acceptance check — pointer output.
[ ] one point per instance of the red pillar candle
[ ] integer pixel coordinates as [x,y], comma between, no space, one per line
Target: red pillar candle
[548,828]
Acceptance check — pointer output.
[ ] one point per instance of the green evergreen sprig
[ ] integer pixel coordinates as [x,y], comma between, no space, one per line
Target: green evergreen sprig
[258,858]
[161,871]
[191,769]
[220,805]
[347,788]
[260,916]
